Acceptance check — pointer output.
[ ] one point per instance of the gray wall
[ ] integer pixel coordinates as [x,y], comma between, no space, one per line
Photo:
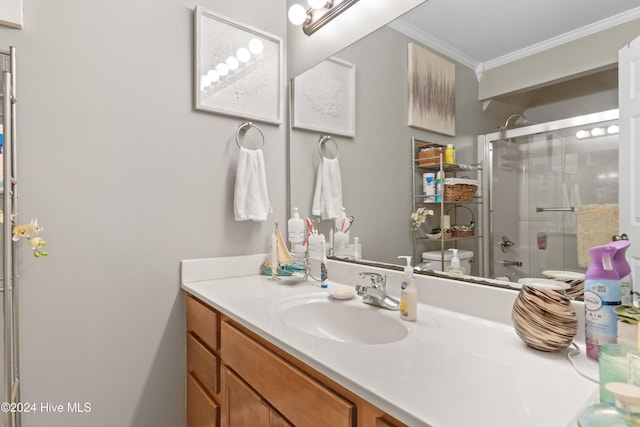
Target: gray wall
[127,180]
[376,164]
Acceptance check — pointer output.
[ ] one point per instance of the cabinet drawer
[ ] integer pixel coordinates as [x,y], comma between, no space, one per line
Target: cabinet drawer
[202,321]
[202,411]
[202,364]
[298,397]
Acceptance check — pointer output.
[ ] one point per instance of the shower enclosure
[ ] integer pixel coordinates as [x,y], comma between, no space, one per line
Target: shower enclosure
[538,177]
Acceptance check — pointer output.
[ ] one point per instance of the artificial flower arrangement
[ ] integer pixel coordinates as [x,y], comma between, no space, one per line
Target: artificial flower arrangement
[29,232]
[419,216]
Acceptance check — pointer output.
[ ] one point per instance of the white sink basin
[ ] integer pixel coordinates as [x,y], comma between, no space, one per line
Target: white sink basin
[341,321]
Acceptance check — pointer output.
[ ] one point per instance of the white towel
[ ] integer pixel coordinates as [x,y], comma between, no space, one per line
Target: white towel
[327,199]
[251,200]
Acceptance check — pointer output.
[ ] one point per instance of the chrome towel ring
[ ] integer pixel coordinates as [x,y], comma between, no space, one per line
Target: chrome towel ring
[324,139]
[245,127]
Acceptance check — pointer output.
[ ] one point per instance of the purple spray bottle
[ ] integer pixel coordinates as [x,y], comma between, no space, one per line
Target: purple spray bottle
[601,296]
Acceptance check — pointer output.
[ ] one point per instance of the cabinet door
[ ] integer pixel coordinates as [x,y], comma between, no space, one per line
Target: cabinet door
[202,411]
[277,421]
[242,407]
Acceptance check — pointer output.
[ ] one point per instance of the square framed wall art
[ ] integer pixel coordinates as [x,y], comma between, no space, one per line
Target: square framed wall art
[239,70]
[324,98]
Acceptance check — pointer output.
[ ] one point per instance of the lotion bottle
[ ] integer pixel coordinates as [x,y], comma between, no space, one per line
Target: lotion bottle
[408,293]
[455,270]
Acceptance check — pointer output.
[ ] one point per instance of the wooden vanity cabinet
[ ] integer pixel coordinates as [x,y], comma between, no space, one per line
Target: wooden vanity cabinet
[238,379]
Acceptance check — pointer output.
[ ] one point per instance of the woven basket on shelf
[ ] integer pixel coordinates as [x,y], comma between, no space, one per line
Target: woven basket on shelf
[429,157]
[463,230]
[457,190]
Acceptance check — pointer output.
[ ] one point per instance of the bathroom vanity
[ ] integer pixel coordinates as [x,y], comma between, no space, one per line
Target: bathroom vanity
[281,354]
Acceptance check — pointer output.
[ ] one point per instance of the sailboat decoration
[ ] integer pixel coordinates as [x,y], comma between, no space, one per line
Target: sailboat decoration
[278,261]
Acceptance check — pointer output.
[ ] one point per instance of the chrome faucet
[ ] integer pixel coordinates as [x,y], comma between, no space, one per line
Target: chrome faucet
[376,293]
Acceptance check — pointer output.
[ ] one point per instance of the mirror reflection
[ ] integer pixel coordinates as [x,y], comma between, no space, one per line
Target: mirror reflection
[523,167]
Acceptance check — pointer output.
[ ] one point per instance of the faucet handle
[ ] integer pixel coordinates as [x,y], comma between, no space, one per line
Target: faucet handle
[377,279]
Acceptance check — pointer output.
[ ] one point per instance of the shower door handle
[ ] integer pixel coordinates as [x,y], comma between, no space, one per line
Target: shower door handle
[507,263]
[569,209]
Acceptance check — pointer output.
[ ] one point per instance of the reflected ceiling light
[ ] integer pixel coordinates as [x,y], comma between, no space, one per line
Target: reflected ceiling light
[597,131]
[222,69]
[256,46]
[213,76]
[233,63]
[243,54]
[613,129]
[319,13]
[581,134]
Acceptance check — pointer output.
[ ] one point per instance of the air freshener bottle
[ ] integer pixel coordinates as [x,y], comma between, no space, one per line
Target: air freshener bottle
[601,296]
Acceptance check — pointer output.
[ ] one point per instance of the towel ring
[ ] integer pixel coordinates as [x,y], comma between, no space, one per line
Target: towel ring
[322,141]
[244,127]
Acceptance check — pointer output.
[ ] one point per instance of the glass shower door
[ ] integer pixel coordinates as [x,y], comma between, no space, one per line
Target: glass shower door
[542,181]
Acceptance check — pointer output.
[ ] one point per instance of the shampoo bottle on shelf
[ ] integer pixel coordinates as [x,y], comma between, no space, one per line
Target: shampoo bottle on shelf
[295,229]
[450,155]
[408,293]
[439,187]
[601,296]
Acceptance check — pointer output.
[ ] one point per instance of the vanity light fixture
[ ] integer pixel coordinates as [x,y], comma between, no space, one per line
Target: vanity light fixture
[319,13]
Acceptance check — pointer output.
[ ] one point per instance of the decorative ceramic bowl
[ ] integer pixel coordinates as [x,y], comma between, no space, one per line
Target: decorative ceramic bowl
[544,319]
[434,236]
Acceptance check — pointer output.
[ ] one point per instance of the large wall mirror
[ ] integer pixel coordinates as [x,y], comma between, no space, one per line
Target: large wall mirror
[376,162]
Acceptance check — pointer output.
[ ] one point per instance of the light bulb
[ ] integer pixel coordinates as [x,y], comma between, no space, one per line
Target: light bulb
[613,129]
[232,63]
[243,54]
[597,131]
[256,46]
[297,14]
[222,69]
[582,134]
[317,4]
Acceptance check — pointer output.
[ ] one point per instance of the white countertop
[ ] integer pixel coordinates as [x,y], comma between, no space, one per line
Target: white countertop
[452,369]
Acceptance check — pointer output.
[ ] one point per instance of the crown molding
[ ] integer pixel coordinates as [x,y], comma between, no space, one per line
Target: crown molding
[480,67]
[434,43]
[571,36]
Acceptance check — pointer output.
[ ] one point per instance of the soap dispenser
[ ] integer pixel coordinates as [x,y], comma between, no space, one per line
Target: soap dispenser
[455,270]
[408,293]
